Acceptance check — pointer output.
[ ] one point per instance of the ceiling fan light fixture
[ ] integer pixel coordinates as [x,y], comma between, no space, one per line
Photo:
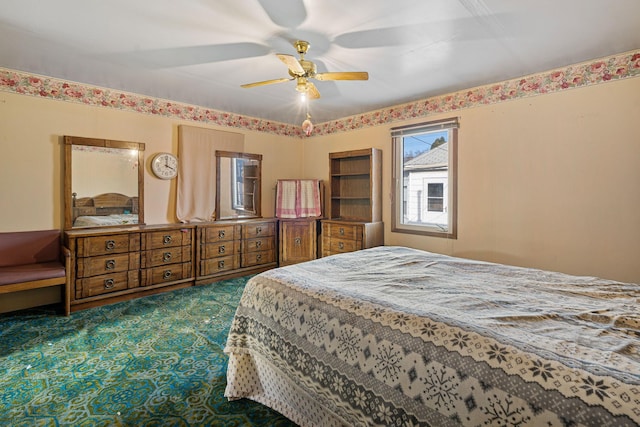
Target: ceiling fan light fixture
[301,85]
[303,71]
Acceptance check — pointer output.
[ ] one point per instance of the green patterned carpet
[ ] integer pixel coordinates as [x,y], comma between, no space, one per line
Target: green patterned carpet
[153,361]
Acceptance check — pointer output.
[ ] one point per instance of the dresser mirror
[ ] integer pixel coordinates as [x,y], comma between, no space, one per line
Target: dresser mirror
[103,183]
[239,182]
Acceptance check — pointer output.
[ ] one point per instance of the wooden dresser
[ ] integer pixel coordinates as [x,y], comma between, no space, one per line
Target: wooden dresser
[348,236]
[116,264]
[235,248]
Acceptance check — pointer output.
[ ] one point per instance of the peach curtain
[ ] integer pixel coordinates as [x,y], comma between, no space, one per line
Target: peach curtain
[196,198]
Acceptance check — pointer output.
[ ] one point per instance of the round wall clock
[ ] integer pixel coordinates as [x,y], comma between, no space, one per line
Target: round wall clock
[164,165]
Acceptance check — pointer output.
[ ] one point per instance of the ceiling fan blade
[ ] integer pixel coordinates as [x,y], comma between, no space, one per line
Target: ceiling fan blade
[312,91]
[266,82]
[189,55]
[285,13]
[345,75]
[476,27]
[291,62]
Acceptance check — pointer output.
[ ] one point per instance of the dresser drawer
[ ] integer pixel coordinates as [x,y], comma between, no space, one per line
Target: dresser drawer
[220,249]
[219,265]
[342,245]
[167,239]
[258,229]
[260,244]
[220,233]
[257,258]
[106,264]
[166,273]
[342,231]
[171,255]
[113,244]
[106,283]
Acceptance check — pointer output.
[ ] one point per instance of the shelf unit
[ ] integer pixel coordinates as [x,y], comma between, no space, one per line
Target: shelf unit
[355,202]
[356,187]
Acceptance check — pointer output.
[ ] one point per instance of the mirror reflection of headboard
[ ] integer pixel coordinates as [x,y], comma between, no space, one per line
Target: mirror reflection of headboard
[103,182]
[105,209]
[239,185]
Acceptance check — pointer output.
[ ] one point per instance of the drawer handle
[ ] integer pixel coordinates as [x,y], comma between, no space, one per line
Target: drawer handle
[297,241]
[110,264]
[259,244]
[166,274]
[258,230]
[109,283]
[166,240]
[166,257]
[258,257]
[341,245]
[221,234]
[341,231]
[221,249]
[221,264]
[110,245]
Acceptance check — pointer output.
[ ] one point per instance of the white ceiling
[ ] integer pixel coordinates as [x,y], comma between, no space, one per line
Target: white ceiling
[201,51]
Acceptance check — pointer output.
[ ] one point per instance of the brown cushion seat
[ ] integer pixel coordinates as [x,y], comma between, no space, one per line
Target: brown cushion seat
[32,260]
[30,272]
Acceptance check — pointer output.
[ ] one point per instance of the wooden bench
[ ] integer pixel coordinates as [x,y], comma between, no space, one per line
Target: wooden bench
[32,260]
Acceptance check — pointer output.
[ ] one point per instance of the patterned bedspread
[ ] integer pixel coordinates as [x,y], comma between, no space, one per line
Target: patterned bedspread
[397,336]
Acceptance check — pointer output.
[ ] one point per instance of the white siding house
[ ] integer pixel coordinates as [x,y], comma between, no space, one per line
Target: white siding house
[425,186]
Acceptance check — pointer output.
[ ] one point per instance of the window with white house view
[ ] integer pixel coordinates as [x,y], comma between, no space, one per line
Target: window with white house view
[424,176]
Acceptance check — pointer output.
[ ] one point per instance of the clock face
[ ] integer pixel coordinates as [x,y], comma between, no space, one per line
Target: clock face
[165,165]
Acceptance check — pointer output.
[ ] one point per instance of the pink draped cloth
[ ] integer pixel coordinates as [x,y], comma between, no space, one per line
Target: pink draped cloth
[298,198]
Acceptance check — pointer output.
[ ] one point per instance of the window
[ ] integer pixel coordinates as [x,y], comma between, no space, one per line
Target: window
[424,178]
[435,201]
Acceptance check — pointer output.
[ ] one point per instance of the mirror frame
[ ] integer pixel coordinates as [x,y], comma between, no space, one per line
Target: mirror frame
[69,142]
[258,190]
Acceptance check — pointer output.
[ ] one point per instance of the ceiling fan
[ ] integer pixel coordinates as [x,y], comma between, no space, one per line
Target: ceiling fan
[302,70]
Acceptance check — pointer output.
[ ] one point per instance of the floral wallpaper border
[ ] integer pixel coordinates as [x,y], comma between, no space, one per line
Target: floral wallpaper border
[597,71]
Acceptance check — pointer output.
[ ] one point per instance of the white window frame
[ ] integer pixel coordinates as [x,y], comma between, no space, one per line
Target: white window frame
[398,223]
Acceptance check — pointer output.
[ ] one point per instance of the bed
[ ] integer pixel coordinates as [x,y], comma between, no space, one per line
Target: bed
[105,209]
[396,336]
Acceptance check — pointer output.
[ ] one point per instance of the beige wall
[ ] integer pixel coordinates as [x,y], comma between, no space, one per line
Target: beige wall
[31,173]
[31,176]
[548,182]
